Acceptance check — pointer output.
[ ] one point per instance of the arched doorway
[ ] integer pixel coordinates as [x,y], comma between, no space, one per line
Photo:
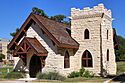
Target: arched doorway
[87,59]
[35,66]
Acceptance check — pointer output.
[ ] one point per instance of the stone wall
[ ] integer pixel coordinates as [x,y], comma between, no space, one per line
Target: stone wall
[108,44]
[97,20]
[55,59]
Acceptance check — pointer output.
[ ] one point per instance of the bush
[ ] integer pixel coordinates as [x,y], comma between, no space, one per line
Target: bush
[2,56]
[82,73]
[73,74]
[50,76]
[14,75]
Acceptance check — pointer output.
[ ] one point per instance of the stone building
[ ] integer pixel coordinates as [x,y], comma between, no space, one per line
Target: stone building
[3,48]
[45,45]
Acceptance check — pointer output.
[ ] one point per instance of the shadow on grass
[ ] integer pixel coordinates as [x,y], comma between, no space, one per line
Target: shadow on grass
[120,78]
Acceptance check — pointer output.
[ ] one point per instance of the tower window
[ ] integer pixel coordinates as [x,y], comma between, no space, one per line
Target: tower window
[107,34]
[66,60]
[86,34]
[87,59]
[107,55]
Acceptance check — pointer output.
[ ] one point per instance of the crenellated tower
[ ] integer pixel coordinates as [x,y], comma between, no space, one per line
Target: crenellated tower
[92,29]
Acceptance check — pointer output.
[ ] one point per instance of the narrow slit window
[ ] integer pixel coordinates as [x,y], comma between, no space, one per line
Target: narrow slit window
[66,60]
[86,34]
[107,55]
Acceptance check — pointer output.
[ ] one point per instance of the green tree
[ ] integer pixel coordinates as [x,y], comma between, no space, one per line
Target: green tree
[59,18]
[38,11]
[14,33]
[120,54]
[2,56]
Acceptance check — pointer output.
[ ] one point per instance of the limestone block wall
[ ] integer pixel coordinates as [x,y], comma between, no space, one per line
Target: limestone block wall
[108,44]
[97,20]
[92,44]
[4,48]
[54,60]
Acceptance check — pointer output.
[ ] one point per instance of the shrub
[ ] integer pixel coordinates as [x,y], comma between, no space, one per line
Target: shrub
[2,56]
[73,74]
[82,73]
[50,76]
[14,75]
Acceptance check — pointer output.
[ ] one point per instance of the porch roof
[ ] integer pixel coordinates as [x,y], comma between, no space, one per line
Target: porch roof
[54,30]
[30,43]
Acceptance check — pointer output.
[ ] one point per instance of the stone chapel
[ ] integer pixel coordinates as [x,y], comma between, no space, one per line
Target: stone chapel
[44,45]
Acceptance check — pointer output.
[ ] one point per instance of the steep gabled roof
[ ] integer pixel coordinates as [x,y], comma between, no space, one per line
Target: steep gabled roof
[56,32]
[30,43]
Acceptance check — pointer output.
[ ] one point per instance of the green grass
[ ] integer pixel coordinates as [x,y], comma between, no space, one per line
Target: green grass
[120,67]
[75,80]
[82,79]
[3,71]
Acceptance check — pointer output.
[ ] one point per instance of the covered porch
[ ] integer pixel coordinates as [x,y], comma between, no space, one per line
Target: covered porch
[32,56]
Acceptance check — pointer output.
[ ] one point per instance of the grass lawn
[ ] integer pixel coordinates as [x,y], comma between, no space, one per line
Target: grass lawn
[120,67]
[82,79]
[3,71]
[77,79]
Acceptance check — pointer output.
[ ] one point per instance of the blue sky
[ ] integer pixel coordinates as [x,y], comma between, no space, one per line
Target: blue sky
[14,12]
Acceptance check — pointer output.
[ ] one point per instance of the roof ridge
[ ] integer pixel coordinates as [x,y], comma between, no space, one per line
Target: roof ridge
[52,20]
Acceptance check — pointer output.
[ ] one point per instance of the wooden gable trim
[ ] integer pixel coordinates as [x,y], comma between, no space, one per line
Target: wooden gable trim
[31,17]
[19,47]
[14,40]
[25,50]
[30,20]
[42,26]
[31,46]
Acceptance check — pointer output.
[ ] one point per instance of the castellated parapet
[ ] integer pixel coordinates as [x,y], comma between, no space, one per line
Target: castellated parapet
[97,21]
[87,12]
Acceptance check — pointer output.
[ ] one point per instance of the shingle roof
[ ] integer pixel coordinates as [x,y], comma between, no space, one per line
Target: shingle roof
[36,45]
[58,30]
[54,30]
[33,43]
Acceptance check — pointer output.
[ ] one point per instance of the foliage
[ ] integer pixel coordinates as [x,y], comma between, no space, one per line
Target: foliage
[81,73]
[120,67]
[14,33]
[120,54]
[3,71]
[38,11]
[14,75]
[50,76]
[59,18]
[2,56]
[74,74]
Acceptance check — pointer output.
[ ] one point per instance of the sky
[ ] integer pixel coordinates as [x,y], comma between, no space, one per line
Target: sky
[13,13]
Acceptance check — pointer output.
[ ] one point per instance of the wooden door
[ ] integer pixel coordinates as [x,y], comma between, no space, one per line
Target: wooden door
[35,66]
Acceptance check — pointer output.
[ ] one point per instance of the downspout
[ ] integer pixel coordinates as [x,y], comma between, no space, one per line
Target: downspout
[101,55]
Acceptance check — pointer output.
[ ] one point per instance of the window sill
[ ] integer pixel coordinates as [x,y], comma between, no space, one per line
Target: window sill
[66,68]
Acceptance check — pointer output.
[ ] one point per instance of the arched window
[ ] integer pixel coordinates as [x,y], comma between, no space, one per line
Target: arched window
[66,60]
[86,34]
[107,55]
[107,34]
[87,59]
